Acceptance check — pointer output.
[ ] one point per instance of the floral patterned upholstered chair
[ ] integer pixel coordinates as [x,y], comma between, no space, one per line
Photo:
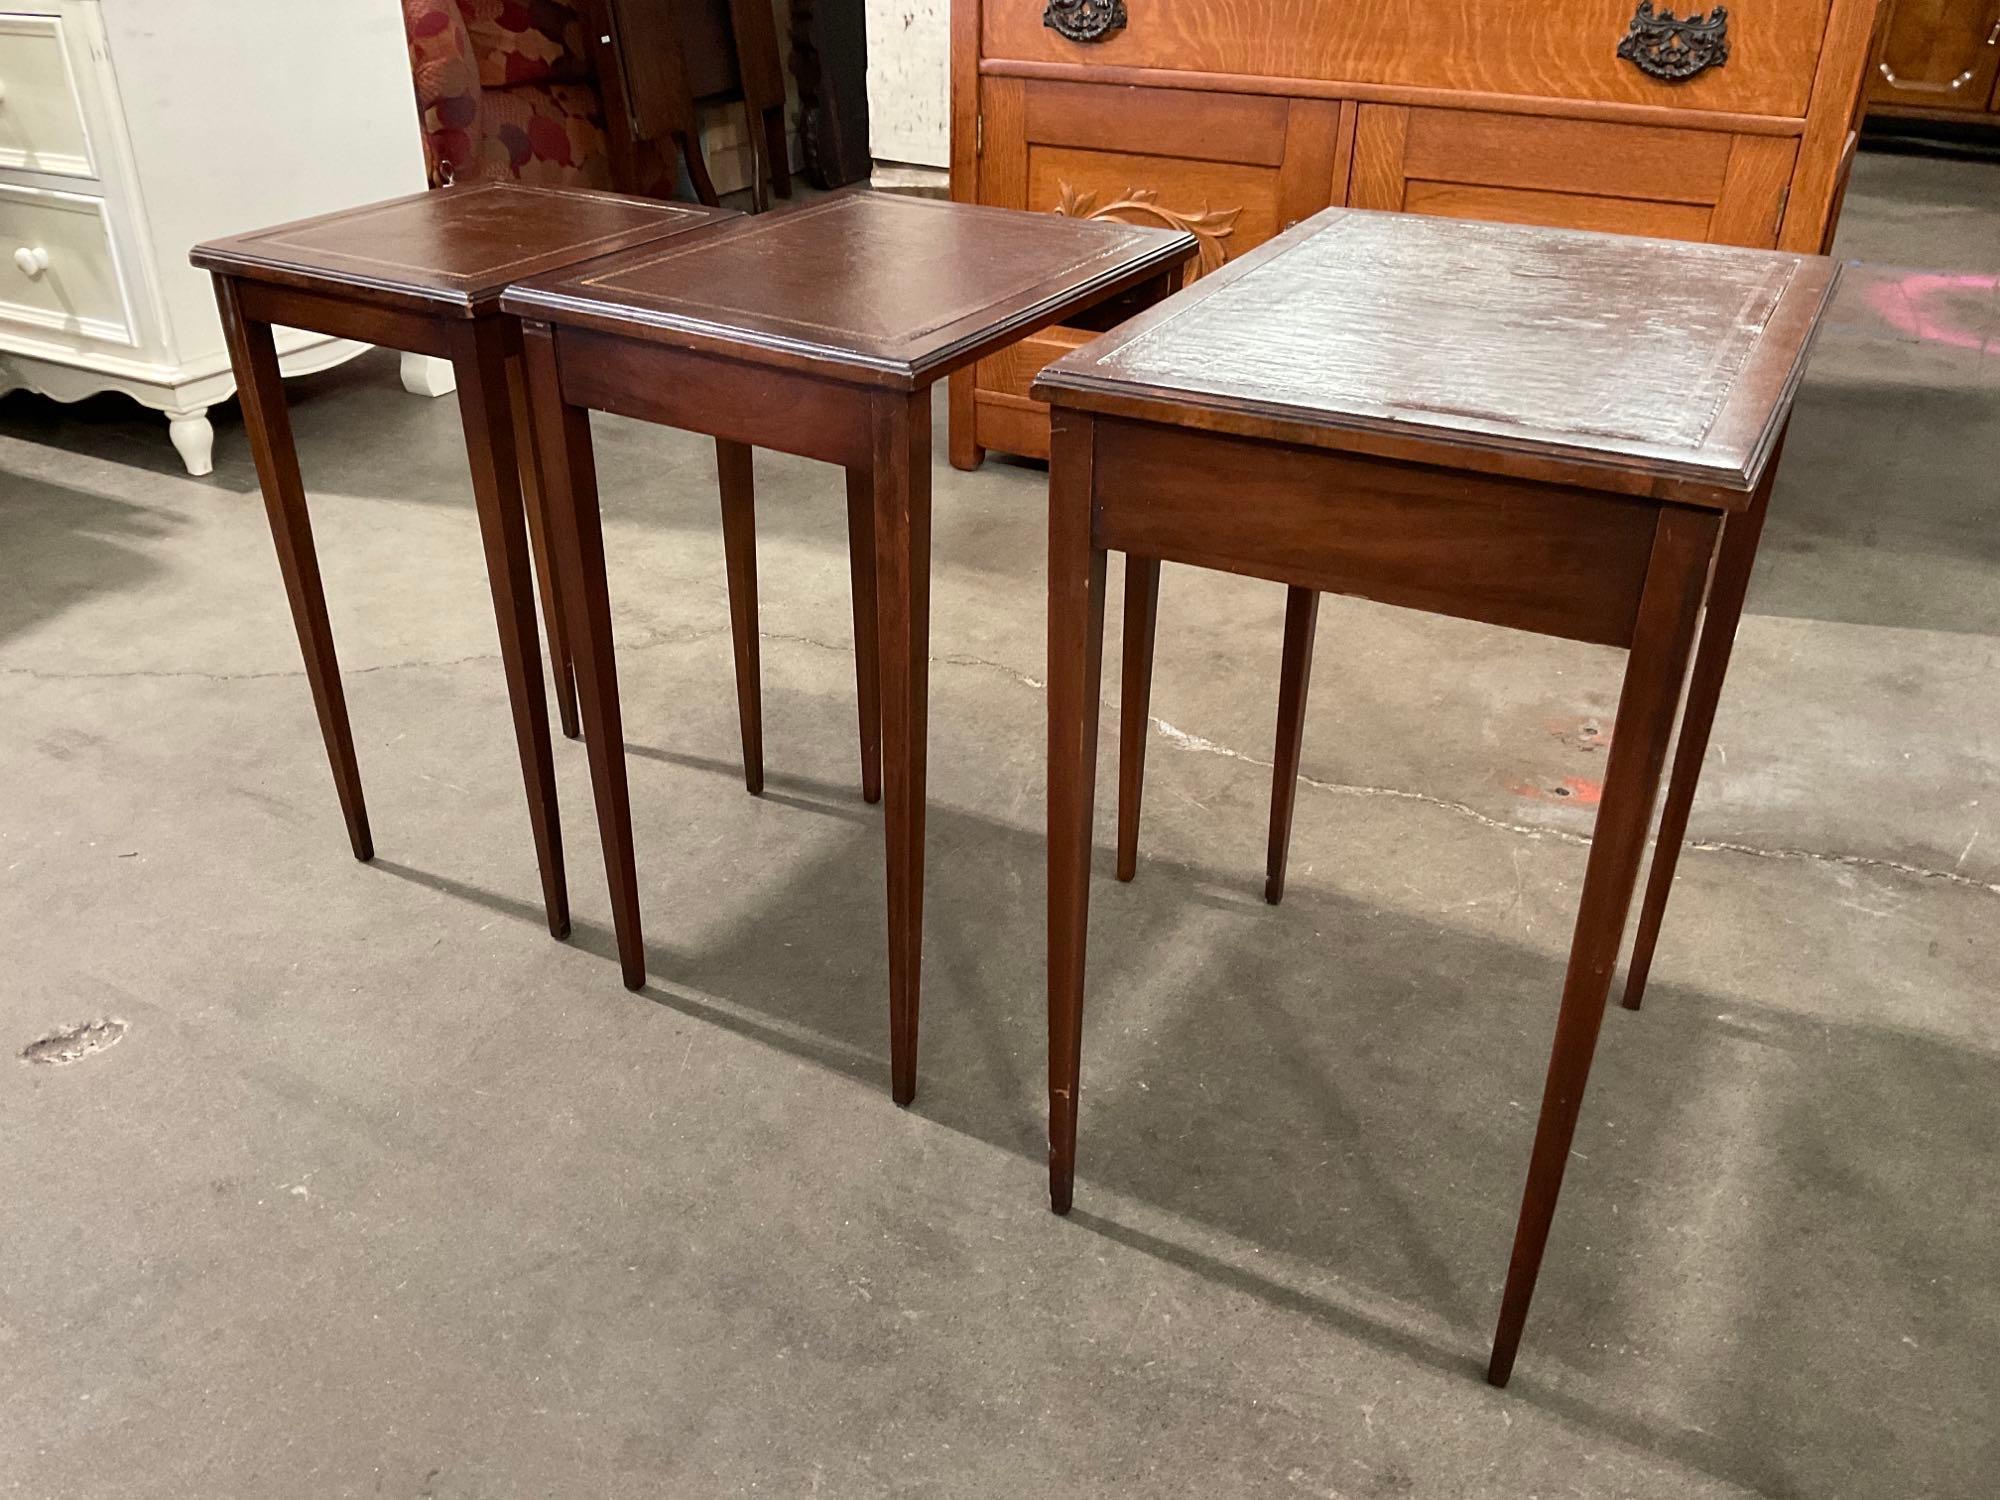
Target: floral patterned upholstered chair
[507,90]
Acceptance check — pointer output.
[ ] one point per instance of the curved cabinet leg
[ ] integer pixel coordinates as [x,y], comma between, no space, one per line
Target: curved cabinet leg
[427,375]
[193,438]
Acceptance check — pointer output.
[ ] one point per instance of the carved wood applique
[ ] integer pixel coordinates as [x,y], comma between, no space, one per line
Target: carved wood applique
[1672,48]
[1085,20]
[1210,227]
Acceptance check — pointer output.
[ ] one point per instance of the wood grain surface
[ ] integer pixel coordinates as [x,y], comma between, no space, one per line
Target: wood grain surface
[452,249]
[1654,356]
[863,286]
[1565,48]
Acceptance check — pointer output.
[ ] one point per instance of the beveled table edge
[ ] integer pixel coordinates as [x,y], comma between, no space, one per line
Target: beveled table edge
[1621,466]
[227,254]
[532,300]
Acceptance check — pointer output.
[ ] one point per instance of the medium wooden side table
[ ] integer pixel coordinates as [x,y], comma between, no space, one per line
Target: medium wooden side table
[817,332]
[424,274]
[1534,428]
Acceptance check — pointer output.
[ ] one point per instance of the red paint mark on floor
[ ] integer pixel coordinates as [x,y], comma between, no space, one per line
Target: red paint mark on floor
[1580,791]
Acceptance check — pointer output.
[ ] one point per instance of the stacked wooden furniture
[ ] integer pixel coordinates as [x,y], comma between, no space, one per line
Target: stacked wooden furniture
[1236,118]
[1939,60]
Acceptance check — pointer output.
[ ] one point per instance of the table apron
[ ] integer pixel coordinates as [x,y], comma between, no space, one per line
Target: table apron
[1547,558]
[343,318]
[724,398]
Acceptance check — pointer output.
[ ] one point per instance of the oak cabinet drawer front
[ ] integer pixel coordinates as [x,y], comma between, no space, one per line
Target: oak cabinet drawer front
[1201,126]
[41,111]
[1229,208]
[1563,49]
[1010,372]
[1660,181]
[58,271]
[1232,169]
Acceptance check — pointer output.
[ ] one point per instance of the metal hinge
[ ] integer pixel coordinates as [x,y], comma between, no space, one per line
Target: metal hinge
[979,135]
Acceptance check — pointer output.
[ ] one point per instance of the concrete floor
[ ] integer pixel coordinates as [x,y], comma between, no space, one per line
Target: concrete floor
[382,1192]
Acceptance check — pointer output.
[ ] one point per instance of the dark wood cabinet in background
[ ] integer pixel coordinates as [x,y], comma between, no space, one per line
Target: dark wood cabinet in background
[1938,59]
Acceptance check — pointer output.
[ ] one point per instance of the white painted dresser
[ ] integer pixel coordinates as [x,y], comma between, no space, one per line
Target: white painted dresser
[130,130]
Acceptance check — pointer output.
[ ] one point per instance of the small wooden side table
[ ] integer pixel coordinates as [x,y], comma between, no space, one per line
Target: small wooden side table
[817,332]
[1533,428]
[424,274]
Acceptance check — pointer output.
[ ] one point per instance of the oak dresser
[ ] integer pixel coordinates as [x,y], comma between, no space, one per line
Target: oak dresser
[1236,118]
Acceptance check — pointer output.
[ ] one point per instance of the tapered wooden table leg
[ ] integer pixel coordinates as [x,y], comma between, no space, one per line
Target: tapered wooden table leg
[1294,677]
[739,550]
[267,423]
[1076,670]
[576,528]
[560,664]
[901,471]
[1135,702]
[1726,591]
[867,651]
[1646,706]
[479,359]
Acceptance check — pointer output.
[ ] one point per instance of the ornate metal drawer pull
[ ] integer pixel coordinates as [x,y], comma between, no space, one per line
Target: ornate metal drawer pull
[1085,20]
[1671,48]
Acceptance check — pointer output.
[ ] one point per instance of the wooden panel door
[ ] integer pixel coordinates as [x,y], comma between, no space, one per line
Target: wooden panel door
[1938,54]
[1663,181]
[1233,169]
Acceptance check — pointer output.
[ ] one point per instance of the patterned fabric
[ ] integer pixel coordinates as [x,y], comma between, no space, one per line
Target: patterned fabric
[505,91]
[551,135]
[526,41]
[448,94]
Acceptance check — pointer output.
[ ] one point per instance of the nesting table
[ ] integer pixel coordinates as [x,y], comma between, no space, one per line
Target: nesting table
[1554,431]
[818,332]
[424,274]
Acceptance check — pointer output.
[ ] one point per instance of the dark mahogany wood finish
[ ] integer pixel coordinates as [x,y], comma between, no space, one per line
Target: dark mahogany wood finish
[1534,428]
[817,332]
[424,274]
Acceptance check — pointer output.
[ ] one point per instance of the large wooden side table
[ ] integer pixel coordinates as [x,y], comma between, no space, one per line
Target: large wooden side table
[1533,428]
[424,274]
[817,332]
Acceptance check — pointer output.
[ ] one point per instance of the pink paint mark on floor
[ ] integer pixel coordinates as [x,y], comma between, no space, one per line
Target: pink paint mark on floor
[1933,307]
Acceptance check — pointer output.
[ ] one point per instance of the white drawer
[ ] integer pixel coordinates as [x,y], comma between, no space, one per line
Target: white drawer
[58,267]
[41,112]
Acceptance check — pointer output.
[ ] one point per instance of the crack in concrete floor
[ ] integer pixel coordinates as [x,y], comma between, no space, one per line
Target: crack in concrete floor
[1179,738]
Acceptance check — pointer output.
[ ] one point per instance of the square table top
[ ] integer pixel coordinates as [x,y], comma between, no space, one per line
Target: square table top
[1646,366]
[871,288]
[451,250]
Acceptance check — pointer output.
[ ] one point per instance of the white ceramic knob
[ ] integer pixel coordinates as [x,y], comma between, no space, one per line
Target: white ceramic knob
[31,261]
